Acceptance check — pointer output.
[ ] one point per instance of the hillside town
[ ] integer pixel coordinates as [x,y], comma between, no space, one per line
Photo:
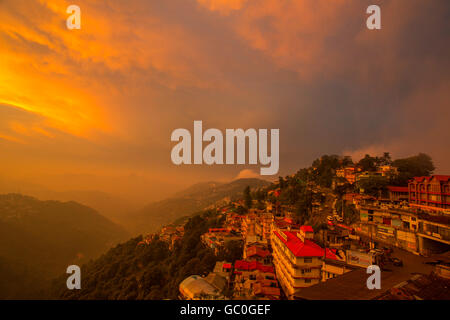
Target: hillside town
[324,253]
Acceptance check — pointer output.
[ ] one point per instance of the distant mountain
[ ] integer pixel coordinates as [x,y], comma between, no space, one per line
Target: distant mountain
[112,206]
[39,239]
[188,202]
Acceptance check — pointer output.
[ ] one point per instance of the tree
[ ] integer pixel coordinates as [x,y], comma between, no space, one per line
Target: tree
[324,169]
[281,182]
[347,161]
[232,251]
[416,166]
[374,186]
[247,197]
[304,206]
[368,163]
[385,160]
[351,214]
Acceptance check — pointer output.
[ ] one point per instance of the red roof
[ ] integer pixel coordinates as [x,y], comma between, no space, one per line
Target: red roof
[331,254]
[226,266]
[345,227]
[298,247]
[252,265]
[441,178]
[284,223]
[306,228]
[254,250]
[398,189]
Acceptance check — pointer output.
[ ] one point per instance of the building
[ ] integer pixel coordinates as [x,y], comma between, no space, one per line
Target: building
[263,225]
[332,268]
[413,230]
[398,194]
[353,286]
[223,268]
[197,288]
[248,225]
[431,191]
[387,171]
[255,283]
[216,238]
[348,173]
[257,253]
[297,259]
[419,287]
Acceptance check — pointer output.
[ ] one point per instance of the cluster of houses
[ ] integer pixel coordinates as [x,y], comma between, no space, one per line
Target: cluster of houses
[281,259]
[415,218]
[170,234]
[354,173]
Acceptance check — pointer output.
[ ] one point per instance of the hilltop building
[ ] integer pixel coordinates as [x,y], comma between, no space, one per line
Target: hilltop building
[431,191]
[297,259]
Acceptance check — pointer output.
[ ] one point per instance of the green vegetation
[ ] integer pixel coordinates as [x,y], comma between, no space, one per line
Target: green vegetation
[132,271]
[375,186]
[416,166]
[42,238]
[186,203]
[39,239]
[351,214]
[247,197]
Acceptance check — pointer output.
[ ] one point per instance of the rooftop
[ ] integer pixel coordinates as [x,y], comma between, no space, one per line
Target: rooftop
[420,287]
[256,251]
[352,286]
[252,265]
[299,248]
[441,178]
[397,189]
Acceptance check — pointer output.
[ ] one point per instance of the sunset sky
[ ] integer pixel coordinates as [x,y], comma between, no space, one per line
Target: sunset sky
[93,109]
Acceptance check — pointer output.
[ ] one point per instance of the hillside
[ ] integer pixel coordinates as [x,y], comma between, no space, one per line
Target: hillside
[188,202]
[133,271]
[39,239]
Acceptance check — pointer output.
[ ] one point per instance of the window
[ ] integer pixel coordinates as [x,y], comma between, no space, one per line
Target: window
[308,260]
[306,271]
[307,280]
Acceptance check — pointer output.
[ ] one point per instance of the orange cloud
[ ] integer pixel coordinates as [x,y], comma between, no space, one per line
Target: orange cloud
[224,6]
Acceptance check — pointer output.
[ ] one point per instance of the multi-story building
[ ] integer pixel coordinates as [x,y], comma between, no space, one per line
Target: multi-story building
[431,191]
[387,171]
[257,253]
[349,173]
[263,225]
[398,194]
[412,230]
[216,238]
[254,280]
[248,225]
[297,259]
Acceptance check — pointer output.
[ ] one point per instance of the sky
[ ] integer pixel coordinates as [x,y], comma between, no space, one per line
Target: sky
[93,109]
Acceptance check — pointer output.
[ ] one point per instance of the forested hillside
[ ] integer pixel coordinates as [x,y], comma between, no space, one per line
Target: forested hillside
[194,199]
[133,271]
[39,239]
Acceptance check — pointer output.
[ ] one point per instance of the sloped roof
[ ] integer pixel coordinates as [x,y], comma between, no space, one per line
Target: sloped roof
[397,189]
[441,178]
[307,229]
[299,248]
[254,250]
[196,285]
[252,265]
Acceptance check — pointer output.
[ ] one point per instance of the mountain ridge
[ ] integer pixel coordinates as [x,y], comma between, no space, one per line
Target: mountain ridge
[187,202]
